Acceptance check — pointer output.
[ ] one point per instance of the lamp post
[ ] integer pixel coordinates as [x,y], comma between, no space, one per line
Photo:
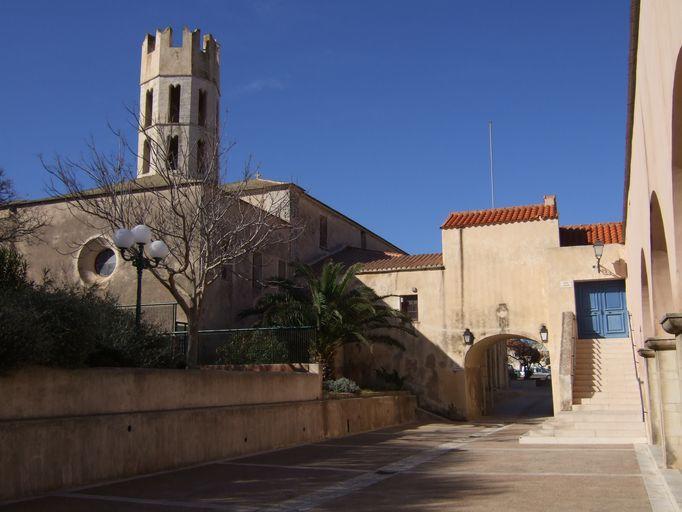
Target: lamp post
[132,243]
[598,247]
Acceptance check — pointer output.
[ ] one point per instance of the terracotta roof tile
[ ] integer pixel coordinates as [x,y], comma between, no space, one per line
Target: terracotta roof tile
[587,234]
[412,262]
[500,216]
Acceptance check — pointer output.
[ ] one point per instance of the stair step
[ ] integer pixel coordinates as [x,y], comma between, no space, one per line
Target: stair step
[527,439]
[607,395]
[600,416]
[631,426]
[607,407]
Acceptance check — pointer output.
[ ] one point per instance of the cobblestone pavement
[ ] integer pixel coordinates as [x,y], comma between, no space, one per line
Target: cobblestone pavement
[424,466]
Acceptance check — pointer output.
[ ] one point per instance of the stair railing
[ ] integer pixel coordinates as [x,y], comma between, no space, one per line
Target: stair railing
[636,365]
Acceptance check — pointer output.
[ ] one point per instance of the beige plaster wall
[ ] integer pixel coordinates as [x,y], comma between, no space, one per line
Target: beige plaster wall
[50,392]
[500,281]
[654,287]
[34,452]
[660,41]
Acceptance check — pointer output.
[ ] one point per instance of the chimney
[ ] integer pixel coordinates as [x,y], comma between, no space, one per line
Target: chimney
[550,200]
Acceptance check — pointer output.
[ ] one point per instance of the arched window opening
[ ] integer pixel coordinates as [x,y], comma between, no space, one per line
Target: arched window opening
[660,268]
[202,108]
[174,104]
[146,155]
[201,157]
[148,104]
[173,150]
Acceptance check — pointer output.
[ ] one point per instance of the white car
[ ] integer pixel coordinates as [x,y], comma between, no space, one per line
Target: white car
[541,374]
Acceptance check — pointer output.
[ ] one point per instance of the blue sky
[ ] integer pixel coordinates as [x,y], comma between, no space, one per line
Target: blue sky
[377,107]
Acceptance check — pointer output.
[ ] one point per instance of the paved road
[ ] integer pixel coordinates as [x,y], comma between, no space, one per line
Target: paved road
[419,467]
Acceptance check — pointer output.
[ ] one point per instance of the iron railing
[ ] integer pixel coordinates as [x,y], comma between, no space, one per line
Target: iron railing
[162,315]
[262,345]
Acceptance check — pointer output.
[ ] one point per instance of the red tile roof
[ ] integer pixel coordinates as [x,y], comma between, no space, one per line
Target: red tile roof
[500,216]
[587,234]
[350,255]
[413,262]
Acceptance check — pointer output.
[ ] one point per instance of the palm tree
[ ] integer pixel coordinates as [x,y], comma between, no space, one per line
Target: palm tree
[341,311]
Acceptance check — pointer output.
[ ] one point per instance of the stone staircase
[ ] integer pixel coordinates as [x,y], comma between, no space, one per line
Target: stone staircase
[606,401]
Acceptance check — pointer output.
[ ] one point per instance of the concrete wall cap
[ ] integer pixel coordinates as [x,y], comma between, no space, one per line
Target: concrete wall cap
[657,344]
[672,323]
[647,353]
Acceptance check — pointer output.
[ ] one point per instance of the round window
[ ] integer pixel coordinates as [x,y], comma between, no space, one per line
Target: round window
[105,262]
[96,261]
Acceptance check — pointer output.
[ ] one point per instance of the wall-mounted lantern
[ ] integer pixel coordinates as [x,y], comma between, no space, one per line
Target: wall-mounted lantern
[468,337]
[544,333]
[598,247]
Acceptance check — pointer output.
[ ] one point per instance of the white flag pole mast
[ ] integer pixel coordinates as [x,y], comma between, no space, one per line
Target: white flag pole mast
[490,154]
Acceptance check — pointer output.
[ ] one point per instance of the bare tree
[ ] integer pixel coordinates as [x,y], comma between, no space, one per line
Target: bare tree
[180,194]
[16,224]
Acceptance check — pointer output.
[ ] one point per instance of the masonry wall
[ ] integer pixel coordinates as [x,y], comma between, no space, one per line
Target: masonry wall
[158,420]
[653,239]
[499,281]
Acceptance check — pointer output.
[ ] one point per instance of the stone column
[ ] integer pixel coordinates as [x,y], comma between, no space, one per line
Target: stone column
[653,396]
[671,412]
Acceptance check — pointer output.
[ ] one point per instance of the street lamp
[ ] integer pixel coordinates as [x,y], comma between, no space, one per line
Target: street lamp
[544,333]
[131,243]
[468,337]
[598,247]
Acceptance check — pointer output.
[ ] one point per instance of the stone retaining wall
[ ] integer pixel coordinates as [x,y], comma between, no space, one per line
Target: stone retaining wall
[40,454]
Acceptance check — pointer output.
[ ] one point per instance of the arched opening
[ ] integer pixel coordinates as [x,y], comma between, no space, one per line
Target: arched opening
[174,103]
[647,323]
[676,164]
[497,386]
[146,157]
[660,267]
[148,106]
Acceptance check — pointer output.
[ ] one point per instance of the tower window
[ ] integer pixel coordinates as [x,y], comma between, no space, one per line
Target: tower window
[202,108]
[201,157]
[174,104]
[363,239]
[323,232]
[148,104]
[173,150]
[146,155]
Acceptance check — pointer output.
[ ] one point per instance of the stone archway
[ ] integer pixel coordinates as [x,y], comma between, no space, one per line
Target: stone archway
[482,368]
[676,168]
[660,266]
[647,323]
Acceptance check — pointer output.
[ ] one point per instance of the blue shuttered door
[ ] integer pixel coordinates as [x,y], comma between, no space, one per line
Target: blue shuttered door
[601,309]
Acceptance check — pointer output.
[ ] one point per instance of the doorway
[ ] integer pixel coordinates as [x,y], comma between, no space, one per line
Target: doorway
[601,309]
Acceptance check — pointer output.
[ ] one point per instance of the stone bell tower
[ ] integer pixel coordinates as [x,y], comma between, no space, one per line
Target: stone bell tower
[179,104]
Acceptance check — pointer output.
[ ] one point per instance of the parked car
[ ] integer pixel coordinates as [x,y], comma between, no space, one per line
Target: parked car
[541,374]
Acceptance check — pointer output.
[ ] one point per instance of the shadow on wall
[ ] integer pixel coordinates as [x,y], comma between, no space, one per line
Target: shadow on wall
[430,373]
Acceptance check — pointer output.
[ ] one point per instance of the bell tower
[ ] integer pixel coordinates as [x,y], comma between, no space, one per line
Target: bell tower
[179,104]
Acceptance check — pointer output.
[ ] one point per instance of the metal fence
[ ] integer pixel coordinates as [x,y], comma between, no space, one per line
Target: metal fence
[265,345]
[162,315]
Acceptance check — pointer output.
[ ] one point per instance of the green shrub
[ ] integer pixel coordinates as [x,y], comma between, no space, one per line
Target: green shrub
[252,347]
[70,327]
[342,385]
[13,269]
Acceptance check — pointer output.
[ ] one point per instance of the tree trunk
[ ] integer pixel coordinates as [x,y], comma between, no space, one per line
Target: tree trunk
[192,343]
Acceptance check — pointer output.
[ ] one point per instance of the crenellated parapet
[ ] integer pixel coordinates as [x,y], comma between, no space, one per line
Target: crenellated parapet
[197,56]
